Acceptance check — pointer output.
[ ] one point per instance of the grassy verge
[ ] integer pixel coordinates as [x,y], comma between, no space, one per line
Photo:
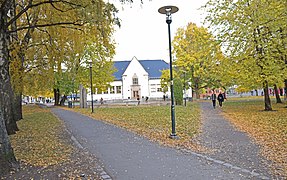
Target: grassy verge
[38,142]
[153,122]
[268,128]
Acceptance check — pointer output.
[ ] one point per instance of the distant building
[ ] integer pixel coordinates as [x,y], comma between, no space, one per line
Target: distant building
[135,78]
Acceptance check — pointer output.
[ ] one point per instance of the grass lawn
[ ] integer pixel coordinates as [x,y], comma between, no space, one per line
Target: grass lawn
[38,142]
[268,128]
[153,122]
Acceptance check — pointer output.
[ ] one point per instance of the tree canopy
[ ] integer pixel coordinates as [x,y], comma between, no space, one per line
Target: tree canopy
[46,45]
[253,34]
[199,56]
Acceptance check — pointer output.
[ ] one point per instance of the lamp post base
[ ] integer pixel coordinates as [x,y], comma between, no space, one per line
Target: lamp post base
[173,136]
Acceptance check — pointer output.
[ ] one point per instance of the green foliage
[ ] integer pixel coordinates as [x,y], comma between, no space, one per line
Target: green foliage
[165,79]
[253,34]
[56,41]
[178,91]
[198,56]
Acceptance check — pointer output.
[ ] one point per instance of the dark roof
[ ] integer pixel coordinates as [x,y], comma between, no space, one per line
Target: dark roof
[121,67]
[152,67]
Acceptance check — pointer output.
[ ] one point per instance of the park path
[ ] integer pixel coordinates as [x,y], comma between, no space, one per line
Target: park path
[127,156]
[229,144]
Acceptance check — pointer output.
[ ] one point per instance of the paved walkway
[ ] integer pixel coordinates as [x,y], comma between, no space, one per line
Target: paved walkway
[229,144]
[127,156]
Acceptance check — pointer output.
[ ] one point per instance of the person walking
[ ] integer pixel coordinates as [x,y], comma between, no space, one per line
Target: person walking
[102,100]
[213,99]
[220,99]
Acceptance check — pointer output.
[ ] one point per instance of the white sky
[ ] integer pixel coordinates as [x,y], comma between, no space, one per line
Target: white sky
[144,32]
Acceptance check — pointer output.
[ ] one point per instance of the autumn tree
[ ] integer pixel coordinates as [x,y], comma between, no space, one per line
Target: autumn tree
[198,55]
[36,40]
[253,33]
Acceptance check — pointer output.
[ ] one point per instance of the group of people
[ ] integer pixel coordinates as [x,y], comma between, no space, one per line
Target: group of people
[220,99]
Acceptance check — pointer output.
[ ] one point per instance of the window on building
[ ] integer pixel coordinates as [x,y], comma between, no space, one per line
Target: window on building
[135,80]
[112,90]
[159,90]
[119,89]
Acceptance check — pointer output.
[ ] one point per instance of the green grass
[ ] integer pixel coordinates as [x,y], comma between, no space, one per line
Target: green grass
[153,122]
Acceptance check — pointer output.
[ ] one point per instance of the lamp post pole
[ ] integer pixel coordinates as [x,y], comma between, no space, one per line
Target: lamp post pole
[184,88]
[91,80]
[168,10]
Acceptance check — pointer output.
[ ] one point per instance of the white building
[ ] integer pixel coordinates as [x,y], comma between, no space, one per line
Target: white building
[135,78]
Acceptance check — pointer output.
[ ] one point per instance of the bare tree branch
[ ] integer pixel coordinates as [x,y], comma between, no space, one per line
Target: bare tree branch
[47,25]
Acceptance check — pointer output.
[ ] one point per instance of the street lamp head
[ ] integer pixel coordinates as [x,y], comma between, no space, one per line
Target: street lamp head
[168,10]
[91,64]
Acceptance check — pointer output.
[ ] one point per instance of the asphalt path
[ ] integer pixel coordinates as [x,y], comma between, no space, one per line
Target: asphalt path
[127,156]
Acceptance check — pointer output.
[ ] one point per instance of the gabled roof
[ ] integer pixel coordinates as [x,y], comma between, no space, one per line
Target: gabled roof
[152,67]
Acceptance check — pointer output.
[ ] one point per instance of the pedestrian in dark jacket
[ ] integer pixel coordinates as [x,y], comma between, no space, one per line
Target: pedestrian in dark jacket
[220,99]
[213,99]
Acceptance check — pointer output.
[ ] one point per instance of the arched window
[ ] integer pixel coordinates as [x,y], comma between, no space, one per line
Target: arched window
[135,80]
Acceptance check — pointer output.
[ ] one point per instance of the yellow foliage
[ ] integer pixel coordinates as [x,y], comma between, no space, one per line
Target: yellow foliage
[39,140]
[269,129]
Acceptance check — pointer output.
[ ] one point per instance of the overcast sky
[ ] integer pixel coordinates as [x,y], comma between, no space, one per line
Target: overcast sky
[144,32]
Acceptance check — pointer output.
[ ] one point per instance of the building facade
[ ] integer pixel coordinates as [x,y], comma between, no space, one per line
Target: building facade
[133,79]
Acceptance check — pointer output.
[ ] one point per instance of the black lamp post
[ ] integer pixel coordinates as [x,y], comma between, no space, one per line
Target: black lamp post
[168,10]
[184,88]
[91,79]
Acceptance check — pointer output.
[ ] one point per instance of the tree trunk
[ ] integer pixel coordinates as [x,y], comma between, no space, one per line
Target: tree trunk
[278,99]
[266,97]
[7,158]
[17,73]
[62,102]
[196,89]
[285,89]
[57,97]
[7,95]
[256,92]
[197,93]
[17,107]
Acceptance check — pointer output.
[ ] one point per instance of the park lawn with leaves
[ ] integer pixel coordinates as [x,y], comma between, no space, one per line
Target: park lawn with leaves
[38,142]
[267,128]
[153,122]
